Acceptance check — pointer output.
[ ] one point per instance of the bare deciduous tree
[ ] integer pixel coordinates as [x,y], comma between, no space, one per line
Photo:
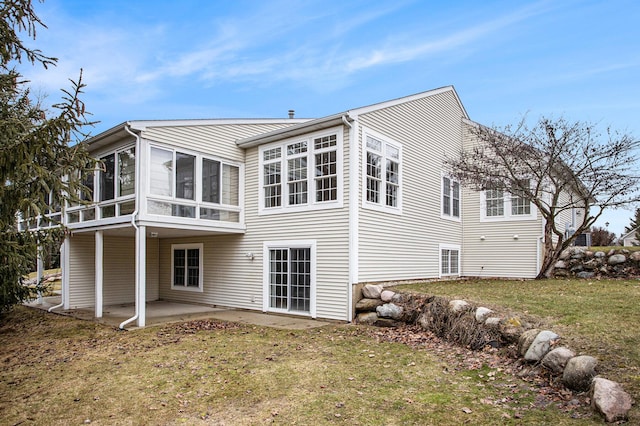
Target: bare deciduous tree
[557,166]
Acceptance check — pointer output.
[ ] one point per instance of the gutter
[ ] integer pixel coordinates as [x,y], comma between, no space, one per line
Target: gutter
[134,215]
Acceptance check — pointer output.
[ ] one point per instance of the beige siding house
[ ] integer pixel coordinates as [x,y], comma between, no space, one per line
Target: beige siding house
[287,216]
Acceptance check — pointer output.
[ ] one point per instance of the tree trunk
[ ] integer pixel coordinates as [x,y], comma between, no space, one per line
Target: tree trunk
[551,254]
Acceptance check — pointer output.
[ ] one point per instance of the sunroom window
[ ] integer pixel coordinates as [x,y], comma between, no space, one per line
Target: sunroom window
[193,186]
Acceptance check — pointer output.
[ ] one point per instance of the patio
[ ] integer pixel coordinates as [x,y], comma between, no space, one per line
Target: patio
[162,312]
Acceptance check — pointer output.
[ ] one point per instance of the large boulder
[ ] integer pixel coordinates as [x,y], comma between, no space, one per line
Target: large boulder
[368,318]
[579,372]
[540,345]
[585,274]
[617,259]
[526,339]
[556,359]
[482,314]
[560,264]
[610,400]
[389,310]
[635,256]
[459,305]
[372,291]
[387,295]
[368,305]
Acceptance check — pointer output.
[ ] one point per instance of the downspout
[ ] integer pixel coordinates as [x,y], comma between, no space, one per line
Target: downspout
[353,215]
[135,226]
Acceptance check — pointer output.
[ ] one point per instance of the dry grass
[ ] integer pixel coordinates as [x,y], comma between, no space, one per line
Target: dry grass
[61,371]
[594,317]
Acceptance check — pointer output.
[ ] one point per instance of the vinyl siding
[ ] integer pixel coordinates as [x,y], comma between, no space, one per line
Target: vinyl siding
[233,279]
[81,271]
[120,269]
[406,246]
[499,254]
[218,140]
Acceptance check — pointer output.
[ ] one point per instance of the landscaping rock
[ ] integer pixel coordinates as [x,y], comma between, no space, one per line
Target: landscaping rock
[368,318]
[599,254]
[556,359]
[399,298]
[526,339]
[389,310]
[585,274]
[560,264]
[459,305]
[635,256]
[482,314]
[540,345]
[387,295]
[610,400]
[493,321]
[368,305]
[424,320]
[617,259]
[386,322]
[579,372]
[372,291]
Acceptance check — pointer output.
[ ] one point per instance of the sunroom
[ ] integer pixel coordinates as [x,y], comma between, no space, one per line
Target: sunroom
[143,191]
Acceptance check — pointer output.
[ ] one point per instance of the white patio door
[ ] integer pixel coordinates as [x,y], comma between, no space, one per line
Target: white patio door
[290,278]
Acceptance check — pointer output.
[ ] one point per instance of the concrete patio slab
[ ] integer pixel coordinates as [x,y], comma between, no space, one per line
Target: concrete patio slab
[162,312]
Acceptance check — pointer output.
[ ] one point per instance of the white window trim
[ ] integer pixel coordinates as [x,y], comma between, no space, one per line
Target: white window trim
[198,246]
[116,190]
[197,202]
[385,141]
[311,204]
[450,216]
[288,244]
[449,247]
[507,216]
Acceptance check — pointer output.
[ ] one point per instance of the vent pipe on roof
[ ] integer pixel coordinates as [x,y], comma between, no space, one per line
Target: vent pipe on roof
[292,113]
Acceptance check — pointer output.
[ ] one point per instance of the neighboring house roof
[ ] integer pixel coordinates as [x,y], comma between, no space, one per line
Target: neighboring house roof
[630,234]
[335,119]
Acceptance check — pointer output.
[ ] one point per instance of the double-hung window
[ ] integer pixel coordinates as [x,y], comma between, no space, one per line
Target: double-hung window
[449,260]
[186,267]
[494,202]
[382,170]
[450,198]
[302,173]
[501,205]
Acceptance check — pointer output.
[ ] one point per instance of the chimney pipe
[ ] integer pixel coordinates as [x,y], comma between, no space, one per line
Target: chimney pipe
[291,113]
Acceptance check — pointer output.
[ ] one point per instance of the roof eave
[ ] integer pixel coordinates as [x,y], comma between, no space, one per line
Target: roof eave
[295,130]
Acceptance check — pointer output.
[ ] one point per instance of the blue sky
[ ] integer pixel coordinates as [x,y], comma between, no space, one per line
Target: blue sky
[227,59]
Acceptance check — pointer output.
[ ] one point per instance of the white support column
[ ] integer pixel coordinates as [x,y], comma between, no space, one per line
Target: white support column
[65,265]
[39,273]
[99,262]
[141,274]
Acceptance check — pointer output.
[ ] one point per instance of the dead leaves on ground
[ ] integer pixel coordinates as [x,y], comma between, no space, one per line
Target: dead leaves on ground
[519,377]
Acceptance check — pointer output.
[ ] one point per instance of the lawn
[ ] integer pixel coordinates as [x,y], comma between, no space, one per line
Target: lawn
[58,370]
